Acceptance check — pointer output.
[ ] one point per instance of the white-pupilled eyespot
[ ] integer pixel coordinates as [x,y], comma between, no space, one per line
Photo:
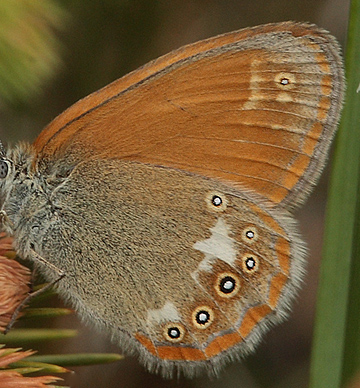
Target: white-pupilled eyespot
[227,285]
[285,80]
[249,234]
[216,201]
[203,317]
[250,263]
[174,332]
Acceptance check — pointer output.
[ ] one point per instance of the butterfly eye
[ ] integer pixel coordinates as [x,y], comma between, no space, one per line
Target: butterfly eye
[174,332]
[227,285]
[203,317]
[4,168]
[250,263]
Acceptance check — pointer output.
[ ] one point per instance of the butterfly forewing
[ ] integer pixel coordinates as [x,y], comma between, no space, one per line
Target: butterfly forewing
[256,108]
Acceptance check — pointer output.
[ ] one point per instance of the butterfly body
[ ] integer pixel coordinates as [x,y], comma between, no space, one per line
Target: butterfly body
[165,199]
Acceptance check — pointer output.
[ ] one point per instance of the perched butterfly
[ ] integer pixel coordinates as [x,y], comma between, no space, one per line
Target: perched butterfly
[163,201]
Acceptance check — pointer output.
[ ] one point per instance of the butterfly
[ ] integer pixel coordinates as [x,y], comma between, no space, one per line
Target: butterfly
[161,205]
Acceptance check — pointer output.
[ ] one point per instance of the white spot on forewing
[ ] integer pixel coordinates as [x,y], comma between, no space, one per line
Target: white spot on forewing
[255,98]
[358,89]
[167,313]
[218,246]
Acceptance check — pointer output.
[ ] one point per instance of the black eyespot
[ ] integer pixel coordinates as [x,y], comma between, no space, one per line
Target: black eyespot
[4,169]
[250,263]
[203,317]
[227,284]
[250,234]
[285,81]
[216,200]
[174,332]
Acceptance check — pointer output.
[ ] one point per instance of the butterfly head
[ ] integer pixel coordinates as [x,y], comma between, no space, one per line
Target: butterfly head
[15,181]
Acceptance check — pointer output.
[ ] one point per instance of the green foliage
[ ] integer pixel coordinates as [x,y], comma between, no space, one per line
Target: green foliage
[28,46]
[336,346]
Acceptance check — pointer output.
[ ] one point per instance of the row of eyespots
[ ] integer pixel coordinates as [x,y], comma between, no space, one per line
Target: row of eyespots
[202,317]
[219,203]
[227,284]
[249,234]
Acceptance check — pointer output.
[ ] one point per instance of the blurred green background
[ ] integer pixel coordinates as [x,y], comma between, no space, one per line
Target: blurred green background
[88,44]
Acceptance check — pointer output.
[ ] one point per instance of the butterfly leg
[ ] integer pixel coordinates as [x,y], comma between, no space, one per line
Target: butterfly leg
[36,257]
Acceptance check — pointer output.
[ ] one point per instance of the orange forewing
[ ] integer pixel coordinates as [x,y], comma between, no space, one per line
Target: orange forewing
[210,109]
